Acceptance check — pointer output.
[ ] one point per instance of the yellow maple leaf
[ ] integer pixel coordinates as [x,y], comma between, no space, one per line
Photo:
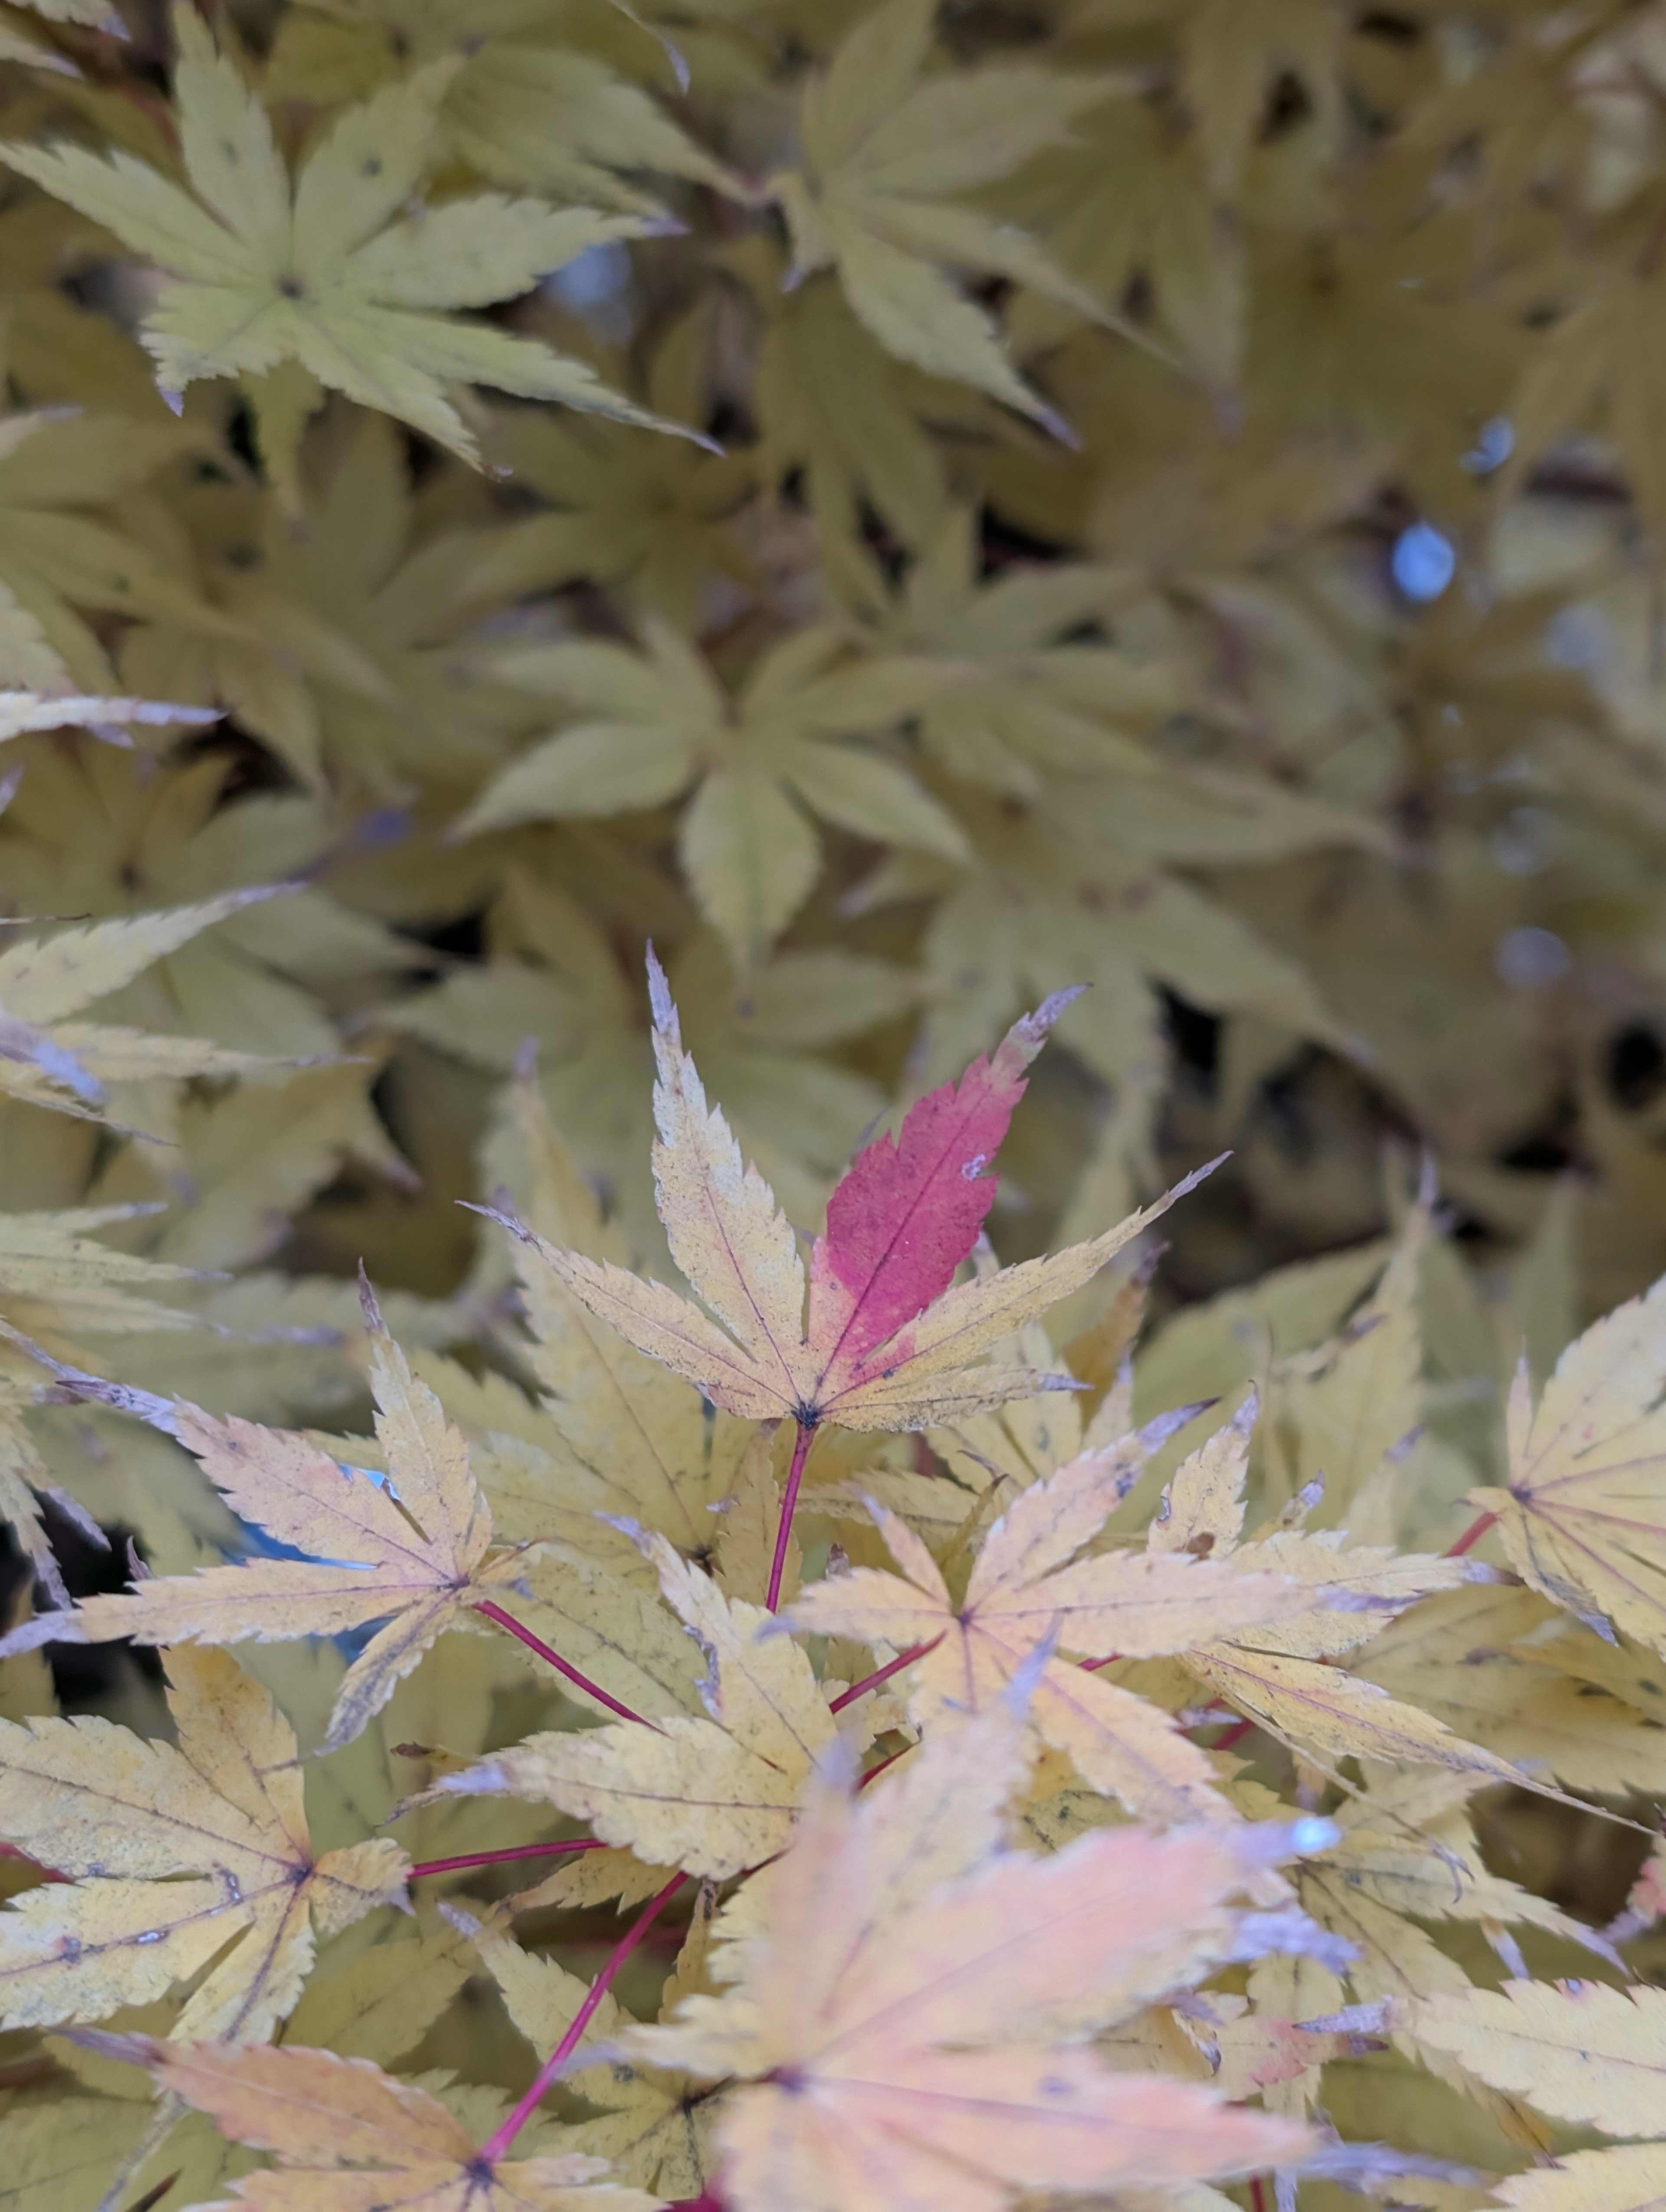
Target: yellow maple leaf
[1024,1592]
[653,2126]
[1582,2051]
[111,834]
[1584,1518]
[1281,1671]
[1504,1668]
[57,1280]
[909,2000]
[524,110]
[557,979]
[650,516]
[346,2134]
[174,1854]
[320,278]
[650,725]
[1406,1860]
[425,1542]
[51,1059]
[715,1795]
[887,152]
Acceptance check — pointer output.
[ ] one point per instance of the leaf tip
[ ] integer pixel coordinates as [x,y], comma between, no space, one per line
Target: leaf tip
[661,1002]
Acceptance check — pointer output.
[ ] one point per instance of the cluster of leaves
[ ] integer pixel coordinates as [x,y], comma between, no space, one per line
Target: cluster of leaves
[913,506]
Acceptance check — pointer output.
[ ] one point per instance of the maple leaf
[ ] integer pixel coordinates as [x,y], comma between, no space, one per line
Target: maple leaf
[174,1854]
[1024,1592]
[654,722]
[908,2000]
[105,835]
[250,1159]
[340,2129]
[715,1795]
[1406,1860]
[522,111]
[53,1060]
[423,1543]
[1579,2051]
[847,420]
[1504,1668]
[332,614]
[56,464]
[1085,881]
[56,1282]
[899,1224]
[1281,1672]
[60,2154]
[649,516]
[1016,700]
[886,154]
[1582,1519]
[261,275]
[1126,209]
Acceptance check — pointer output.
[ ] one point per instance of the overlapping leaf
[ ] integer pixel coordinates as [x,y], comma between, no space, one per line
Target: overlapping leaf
[892,2031]
[174,1855]
[340,2127]
[1584,1516]
[651,724]
[886,1343]
[887,152]
[262,275]
[715,1794]
[424,1544]
[1028,1589]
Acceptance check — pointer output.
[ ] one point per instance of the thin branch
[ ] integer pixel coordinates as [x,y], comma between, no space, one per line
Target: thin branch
[562,1666]
[491,2151]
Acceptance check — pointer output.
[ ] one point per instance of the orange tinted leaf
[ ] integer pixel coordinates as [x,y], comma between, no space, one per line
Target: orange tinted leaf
[898,2032]
[349,2138]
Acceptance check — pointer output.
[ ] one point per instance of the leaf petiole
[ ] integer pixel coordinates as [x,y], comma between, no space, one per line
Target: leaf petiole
[788,1505]
[1471,1536]
[519,1629]
[502,1857]
[491,2151]
[883,1675]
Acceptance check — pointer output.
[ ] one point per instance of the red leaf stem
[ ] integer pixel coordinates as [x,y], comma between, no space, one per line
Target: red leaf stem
[1472,1534]
[788,1506]
[883,1674]
[563,1667]
[491,2151]
[501,1858]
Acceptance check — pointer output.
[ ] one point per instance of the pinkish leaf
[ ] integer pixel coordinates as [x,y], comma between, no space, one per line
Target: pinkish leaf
[909,1210]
